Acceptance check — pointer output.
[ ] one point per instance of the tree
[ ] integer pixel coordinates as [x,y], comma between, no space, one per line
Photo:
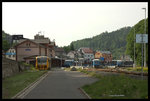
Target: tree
[139,29]
[5,43]
[66,49]
[72,47]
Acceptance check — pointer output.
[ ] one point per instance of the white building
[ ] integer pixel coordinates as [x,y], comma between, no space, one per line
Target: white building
[87,53]
[71,54]
[11,54]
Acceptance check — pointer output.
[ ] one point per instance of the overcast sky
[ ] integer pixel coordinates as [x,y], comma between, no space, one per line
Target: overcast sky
[69,21]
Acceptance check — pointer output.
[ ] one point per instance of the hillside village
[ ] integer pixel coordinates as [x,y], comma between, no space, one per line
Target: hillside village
[100,51]
[26,50]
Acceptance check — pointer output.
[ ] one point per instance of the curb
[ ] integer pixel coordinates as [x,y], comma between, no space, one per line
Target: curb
[26,90]
[85,93]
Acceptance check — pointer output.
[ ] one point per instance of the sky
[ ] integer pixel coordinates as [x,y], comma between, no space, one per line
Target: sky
[65,22]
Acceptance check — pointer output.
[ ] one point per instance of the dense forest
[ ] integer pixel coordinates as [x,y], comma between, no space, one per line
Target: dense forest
[139,29]
[114,42]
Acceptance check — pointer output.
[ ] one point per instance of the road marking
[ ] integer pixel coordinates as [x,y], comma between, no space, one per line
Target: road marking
[25,91]
[84,93]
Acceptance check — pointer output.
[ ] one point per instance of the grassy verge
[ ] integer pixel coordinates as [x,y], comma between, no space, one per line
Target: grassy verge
[137,69]
[116,87]
[67,69]
[14,84]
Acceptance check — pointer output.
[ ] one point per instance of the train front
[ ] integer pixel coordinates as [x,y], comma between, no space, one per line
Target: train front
[42,63]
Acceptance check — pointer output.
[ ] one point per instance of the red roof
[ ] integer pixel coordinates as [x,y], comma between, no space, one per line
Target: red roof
[87,50]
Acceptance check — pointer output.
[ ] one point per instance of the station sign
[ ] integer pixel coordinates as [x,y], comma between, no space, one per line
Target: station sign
[10,53]
[139,38]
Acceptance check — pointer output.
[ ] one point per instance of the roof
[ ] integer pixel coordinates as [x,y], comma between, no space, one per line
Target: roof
[71,52]
[41,40]
[105,52]
[24,40]
[87,50]
[31,57]
[59,49]
[36,40]
[21,40]
[52,44]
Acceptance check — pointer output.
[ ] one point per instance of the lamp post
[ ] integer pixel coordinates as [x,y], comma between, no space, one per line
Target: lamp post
[145,43]
[134,48]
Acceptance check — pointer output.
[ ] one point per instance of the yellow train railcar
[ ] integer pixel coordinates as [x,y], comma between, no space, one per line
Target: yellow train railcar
[43,63]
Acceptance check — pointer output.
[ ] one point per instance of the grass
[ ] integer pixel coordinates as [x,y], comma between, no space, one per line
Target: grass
[14,84]
[116,87]
[137,69]
[67,69]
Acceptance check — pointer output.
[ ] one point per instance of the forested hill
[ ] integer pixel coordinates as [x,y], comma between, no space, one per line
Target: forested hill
[114,42]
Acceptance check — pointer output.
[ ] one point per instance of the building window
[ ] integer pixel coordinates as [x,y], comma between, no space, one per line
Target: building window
[27,44]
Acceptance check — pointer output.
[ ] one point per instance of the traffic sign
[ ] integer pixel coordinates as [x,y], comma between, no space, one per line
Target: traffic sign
[139,38]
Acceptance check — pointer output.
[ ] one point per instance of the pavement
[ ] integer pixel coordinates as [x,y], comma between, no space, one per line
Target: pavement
[60,84]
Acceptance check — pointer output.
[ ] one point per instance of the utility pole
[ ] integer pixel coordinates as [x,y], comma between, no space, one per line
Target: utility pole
[134,47]
[145,43]
[142,57]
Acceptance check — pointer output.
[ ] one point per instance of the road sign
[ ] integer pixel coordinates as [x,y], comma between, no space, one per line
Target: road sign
[139,38]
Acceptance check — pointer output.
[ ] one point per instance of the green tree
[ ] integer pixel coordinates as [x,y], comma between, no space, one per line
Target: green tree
[66,48]
[72,47]
[139,29]
[115,41]
[5,43]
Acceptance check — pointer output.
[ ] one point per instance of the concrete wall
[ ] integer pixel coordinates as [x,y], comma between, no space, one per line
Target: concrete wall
[11,67]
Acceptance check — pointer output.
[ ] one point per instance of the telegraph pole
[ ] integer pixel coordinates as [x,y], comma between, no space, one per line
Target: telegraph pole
[134,47]
[142,56]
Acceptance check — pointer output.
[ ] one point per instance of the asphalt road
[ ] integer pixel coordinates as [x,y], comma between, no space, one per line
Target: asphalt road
[60,84]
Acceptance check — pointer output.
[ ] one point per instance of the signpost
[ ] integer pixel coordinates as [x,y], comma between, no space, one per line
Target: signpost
[142,38]
[139,38]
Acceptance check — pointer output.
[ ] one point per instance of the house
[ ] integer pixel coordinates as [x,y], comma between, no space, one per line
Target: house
[87,54]
[71,54]
[126,58]
[11,54]
[105,54]
[16,38]
[59,52]
[60,57]
[28,49]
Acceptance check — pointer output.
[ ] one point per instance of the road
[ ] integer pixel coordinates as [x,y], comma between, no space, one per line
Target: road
[60,84]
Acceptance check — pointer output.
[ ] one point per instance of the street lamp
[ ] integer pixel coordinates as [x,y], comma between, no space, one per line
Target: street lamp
[134,47]
[145,43]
